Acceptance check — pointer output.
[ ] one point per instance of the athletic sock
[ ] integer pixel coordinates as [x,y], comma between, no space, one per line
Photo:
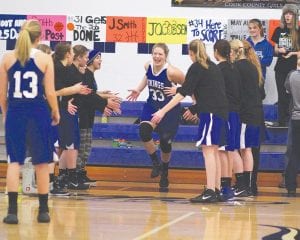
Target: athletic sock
[165,168]
[43,200]
[154,158]
[12,203]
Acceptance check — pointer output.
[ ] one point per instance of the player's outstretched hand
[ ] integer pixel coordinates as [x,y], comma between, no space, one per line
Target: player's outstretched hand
[115,106]
[134,94]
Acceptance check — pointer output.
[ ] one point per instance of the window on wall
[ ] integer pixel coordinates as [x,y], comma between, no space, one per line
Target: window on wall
[145,48]
[105,47]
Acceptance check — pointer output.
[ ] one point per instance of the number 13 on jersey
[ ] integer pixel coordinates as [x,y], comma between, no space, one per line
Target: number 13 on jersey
[33,84]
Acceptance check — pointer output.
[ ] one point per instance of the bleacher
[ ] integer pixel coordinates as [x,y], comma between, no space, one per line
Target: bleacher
[130,152]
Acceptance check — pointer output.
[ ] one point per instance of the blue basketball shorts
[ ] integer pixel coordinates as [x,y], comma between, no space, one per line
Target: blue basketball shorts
[29,131]
[68,131]
[169,124]
[211,131]
[250,136]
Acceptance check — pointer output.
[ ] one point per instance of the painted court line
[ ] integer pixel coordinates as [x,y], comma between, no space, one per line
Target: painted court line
[155,230]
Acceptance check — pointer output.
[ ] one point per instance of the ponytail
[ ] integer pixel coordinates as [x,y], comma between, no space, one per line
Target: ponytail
[252,57]
[198,48]
[30,31]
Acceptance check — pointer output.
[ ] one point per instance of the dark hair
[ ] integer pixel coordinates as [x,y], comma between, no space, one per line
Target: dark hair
[79,51]
[44,48]
[223,48]
[60,51]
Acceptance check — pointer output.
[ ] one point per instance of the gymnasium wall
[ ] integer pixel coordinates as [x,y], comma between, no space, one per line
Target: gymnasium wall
[125,30]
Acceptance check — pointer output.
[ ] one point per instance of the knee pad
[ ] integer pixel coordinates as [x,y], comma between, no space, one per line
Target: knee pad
[165,145]
[146,132]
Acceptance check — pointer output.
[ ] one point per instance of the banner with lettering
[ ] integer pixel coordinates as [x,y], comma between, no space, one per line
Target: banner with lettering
[86,28]
[207,30]
[167,30]
[233,4]
[238,28]
[10,26]
[126,29]
[53,27]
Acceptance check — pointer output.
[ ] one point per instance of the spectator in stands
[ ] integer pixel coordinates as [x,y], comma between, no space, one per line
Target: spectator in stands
[159,75]
[262,47]
[204,80]
[287,45]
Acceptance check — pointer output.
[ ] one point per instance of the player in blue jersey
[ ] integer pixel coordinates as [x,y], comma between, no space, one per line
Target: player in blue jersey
[26,76]
[159,75]
[204,80]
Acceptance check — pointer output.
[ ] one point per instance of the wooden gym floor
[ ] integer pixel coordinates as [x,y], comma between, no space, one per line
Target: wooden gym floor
[137,210]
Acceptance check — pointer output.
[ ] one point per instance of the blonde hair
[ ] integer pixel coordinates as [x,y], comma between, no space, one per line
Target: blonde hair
[244,50]
[237,48]
[253,58]
[30,31]
[198,48]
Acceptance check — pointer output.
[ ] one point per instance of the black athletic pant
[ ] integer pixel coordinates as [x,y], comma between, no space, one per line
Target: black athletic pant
[283,99]
[294,162]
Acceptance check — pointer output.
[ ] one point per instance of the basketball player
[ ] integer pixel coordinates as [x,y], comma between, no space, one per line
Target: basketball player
[159,75]
[205,81]
[232,78]
[26,76]
[251,116]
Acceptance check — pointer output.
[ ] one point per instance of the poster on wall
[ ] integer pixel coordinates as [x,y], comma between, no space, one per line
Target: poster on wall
[86,28]
[126,29]
[238,29]
[233,3]
[53,26]
[207,30]
[10,26]
[167,30]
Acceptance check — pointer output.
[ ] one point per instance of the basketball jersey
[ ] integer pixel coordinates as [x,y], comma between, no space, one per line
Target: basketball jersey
[156,84]
[28,120]
[25,84]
